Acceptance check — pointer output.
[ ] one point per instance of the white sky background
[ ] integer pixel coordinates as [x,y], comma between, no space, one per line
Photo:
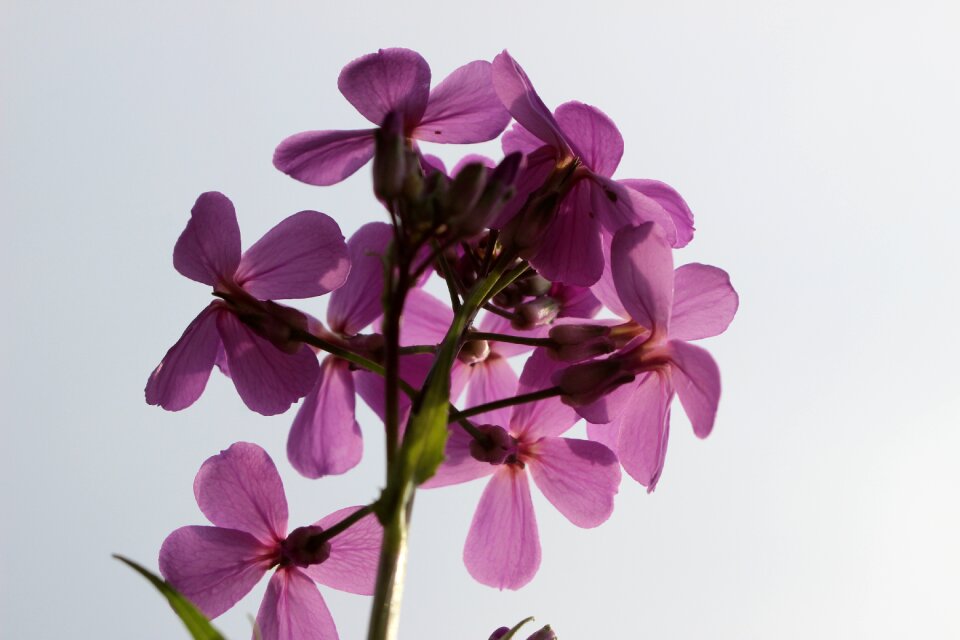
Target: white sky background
[817,144]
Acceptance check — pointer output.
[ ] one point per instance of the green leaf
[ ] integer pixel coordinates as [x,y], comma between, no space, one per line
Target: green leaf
[195,622]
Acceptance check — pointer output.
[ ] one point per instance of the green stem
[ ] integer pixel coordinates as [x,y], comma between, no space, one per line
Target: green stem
[388,591]
[524,398]
[419,348]
[504,337]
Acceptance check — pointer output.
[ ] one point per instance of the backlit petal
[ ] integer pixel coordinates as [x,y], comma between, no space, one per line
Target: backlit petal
[359,301]
[704,302]
[593,134]
[323,158]
[182,375]
[642,266]
[644,431]
[696,378]
[579,477]
[464,108]
[208,250]
[671,201]
[388,80]
[352,565]
[293,609]
[521,100]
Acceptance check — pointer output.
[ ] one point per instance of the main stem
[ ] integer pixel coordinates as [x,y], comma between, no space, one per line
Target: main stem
[397,502]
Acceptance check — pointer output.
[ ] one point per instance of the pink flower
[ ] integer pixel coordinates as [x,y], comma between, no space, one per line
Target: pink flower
[240,491]
[570,249]
[303,256]
[579,477]
[663,309]
[461,109]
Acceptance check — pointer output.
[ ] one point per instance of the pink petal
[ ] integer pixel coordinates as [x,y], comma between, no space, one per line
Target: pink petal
[208,250]
[323,158]
[521,100]
[592,133]
[267,379]
[618,206]
[182,375]
[544,418]
[503,546]
[579,477]
[425,319]
[213,567]
[610,406]
[371,387]
[570,251]
[671,201]
[604,288]
[696,378]
[575,301]
[239,488]
[464,108]
[459,466]
[491,380]
[302,257]
[519,139]
[352,565]
[293,609]
[536,169]
[358,302]
[432,164]
[385,81]
[645,429]
[325,437]
[642,266]
[606,434]
[704,302]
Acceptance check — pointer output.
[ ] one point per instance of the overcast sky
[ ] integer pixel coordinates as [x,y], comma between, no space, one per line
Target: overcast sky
[817,145]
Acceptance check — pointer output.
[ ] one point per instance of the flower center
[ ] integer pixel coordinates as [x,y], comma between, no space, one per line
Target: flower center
[304,547]
[497,446]
[474,351]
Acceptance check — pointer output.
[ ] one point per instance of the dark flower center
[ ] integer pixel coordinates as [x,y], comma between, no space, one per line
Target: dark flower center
[304,547]
[496,447]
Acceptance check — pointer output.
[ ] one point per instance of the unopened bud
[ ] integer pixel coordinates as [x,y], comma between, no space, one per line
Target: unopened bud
[509,297]
[544,634]
[390,158]
[576,342]
[499,633]
[535,285]
[525,231]
[585,383]
[474,351]
[535,313]
[304,546]
[506,172]
[497,447]
[466,189]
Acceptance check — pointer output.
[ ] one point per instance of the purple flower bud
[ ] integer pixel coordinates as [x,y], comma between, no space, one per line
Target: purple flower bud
[497,447]
[535,285]
[588,382]
[509,297]
[499,633]
[474,351]
[505,173]
[576,342]
[389,160]
[536,313]
[545,633]
[304,547]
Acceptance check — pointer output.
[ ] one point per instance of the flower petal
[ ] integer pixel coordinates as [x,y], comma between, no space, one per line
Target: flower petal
[519,139]
[182,375]
[671,201]
[413,370]
[642,266]
[352,565]
[521,100]
[459,464]
[490,380]
[239,488]
[425,319]
[302,257]
[325,437]
[575,301]
[293,609]
[471,158]
[208,250]
[610,406]
[213,567]
[570,251]
[579,477]
[696,378]
[604,288]
[618,206]
[536,169]
[592,133]
[267,379]
[503,546]
[464,108]
[644,431]
[543,418]
[385,81]
[323,158]
[358,302]
[704,302]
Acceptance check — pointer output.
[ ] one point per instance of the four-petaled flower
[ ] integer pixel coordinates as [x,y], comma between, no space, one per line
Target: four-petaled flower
[240,492]
[303,256]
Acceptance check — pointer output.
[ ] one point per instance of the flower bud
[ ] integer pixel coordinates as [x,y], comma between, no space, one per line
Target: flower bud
[497,447]
[535,313]
[535,285]
[509,297]
[465,190]
[545,633]
[576,342]
[304,547]
[524,232]
[499,633]
[585,383]
[474,351]
[390,158]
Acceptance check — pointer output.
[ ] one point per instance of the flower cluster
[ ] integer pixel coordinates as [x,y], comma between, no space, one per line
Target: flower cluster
[530,248]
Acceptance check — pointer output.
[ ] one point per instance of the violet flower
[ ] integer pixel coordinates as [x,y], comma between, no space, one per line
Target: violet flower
[579,477]
[664,309]
[461,109]
[303,256]
[240,492]
[568,250]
